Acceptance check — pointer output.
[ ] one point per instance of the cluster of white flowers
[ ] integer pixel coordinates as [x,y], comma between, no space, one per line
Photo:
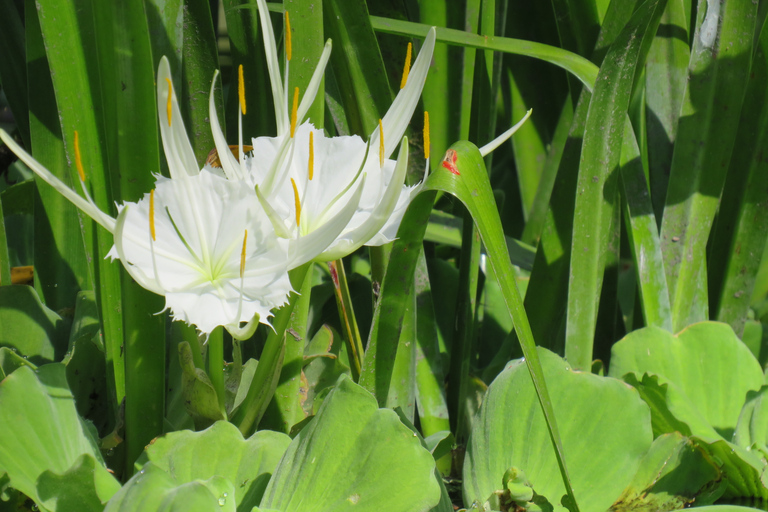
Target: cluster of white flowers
[218,242]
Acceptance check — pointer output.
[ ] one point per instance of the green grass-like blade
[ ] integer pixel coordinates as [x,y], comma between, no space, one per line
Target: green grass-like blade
[643,236]
[247,49]
[665,75]
[59,253]
[717,76]
[742,225]
[430,398]
[200,59]
[12,72]
[73,55]
[471,187]
[307,29]
[130,119]
[584,70]
[545,299]
[596,186]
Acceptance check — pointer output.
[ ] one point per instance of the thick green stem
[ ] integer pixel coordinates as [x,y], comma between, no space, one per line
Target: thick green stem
[267,373]
[216,363]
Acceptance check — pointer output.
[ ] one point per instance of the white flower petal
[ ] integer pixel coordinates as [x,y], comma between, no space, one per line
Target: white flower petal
[229,163]
[388,232]
[377,215]
[498,141]
[312,245]
[178,149]
[273,66]
[195,259]
[88,207]
[400,112]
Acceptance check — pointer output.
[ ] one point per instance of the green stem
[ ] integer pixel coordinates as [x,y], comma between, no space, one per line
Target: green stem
[267,373]
[284,411]
[347,316]
[216,363]
[144,369]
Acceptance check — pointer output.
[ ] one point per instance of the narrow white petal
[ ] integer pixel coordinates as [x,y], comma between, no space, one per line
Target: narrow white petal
[178,149]
[314,83]
[381,212]
[273,66]
[498,141]
[228,161]
[274,217]
[388,232]
[86,206]
[312,246]
[400,112]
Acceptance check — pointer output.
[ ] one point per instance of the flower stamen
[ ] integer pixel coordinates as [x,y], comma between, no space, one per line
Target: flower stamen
[294,110]
[152,214]
[381,144]
[241,88]
[296,202]
[242,255]
[311,155]
[407,67]
[288,46]
[78,158]
[169,105]
[426,134]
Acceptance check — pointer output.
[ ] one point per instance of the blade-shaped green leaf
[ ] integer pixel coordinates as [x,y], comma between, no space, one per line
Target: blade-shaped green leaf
[596,185]
[717,78]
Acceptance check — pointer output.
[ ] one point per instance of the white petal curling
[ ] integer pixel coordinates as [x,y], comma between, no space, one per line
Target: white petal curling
[388,232]
[312,246]
[85,204]
[371,217]
[498,141]
[400,112]
[197,267]
[229,163]
[178,149]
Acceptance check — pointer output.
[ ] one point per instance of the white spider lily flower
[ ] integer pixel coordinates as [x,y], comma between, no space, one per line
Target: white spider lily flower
[199,239]
[328,195]
[205,244]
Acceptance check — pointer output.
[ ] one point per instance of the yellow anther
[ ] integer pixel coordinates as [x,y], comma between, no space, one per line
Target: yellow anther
[426,134]
[169,105]
[311,155]
[152,214]
[294,110]
[381,144]
[242,255]
[297,202]
[407,66]
[288,48]
[78,159]
[241,88]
